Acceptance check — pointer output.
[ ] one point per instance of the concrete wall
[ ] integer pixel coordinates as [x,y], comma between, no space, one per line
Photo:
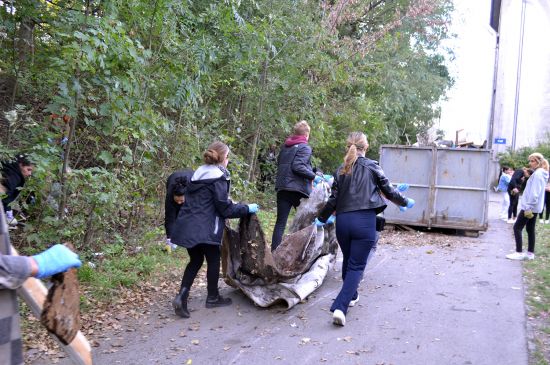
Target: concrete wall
[469,101]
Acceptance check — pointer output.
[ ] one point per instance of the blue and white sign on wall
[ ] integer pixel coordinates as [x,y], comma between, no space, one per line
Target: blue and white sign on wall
[500,140]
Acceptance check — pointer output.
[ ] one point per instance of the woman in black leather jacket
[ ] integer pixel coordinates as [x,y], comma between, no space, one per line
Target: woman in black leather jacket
[356,198]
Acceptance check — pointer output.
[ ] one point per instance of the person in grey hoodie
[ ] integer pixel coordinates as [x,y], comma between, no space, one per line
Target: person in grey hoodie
[532,202]
[200,224]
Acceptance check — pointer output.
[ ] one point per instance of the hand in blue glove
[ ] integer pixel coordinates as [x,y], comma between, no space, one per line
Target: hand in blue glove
[253,208]
[327,177]
[317,180]
[54,260]
[410,204]
[331,219]
[402,187]
[318,223]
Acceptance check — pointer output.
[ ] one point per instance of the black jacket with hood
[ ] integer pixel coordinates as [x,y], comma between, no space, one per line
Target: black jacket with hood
[361,190]
[294,171]
[201,218]
[171,209]
[12,180]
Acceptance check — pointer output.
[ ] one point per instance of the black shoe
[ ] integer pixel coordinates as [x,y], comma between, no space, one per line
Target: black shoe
[217,301]
[180,303]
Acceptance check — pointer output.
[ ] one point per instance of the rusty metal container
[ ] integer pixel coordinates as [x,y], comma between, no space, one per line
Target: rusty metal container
[450,186]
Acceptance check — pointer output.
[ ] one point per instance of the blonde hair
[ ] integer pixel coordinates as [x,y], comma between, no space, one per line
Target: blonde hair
[541,161]
[301,128]
[356,142]
[215,153]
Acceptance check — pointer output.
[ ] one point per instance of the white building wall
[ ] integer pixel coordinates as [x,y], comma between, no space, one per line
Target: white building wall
[469,101]
[533,99]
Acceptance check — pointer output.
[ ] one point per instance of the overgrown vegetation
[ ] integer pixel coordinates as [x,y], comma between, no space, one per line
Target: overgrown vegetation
[537,274]
[518,158]
[109,97]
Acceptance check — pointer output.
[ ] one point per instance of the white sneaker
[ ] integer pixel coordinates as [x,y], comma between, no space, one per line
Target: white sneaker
[354,302]
[516,256]
[339,318]
[547,221]
[511,221]
[12,222]
[529,256]
[541,221]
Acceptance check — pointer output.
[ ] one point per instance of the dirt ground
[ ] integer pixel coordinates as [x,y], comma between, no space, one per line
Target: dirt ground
[426,298]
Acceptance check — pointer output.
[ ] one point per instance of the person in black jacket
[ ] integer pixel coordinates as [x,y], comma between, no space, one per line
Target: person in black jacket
[200,224]
[175,188]
[356,198]
[14,174]
[294,177]
[517,181]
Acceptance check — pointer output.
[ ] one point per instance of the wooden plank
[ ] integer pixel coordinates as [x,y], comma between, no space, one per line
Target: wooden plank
[34,293]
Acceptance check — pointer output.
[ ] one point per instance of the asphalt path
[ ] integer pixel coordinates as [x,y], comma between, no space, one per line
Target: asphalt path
[462,304]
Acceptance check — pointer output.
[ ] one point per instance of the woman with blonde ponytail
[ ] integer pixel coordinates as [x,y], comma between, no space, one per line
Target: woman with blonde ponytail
[532,203]
[357,199]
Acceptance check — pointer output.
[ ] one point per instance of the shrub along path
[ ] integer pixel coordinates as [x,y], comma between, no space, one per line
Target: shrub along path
[427,298]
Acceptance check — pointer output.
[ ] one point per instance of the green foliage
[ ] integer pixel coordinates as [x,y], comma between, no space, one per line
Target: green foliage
[517,159]
[115,95]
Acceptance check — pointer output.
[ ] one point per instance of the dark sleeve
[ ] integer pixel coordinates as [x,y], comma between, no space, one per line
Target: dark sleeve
[301,165]
[330,206]
[515,181]
[224,206]
[11,184]
[385,187]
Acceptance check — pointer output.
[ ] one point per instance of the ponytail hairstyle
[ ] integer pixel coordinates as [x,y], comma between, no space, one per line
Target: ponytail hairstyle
[357,145]
[216,153]
[541,161]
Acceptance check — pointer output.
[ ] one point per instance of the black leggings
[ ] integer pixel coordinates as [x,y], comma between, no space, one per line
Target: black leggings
[529,224]
[285,201]
[546,204]
[196,258]
[513,208]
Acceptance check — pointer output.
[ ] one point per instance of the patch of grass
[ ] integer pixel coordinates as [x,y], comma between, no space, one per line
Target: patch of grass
[118,267]
[537,275]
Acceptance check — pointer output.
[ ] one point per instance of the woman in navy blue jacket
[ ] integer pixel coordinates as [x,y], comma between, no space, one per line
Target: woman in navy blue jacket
[356,198]
[200,224]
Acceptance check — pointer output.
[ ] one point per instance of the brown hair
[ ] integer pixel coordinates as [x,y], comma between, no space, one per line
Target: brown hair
[301,128]
[356,142]
[215,153]
[541,161]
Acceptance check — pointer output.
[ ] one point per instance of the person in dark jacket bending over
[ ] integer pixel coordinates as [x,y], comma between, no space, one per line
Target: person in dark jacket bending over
[356,198]
[294,177]
[200,224]
[14,174]
[175,188]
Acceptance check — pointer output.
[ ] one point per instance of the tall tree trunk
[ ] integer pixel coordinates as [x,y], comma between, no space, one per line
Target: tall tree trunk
[256,139]
[25,41]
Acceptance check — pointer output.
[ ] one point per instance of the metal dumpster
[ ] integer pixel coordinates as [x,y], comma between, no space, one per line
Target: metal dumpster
[450,186]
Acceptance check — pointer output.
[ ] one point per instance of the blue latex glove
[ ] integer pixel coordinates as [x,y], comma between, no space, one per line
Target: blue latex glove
[54,260]
[331,219]
[410,204]
[327,177]
[253,208]
[318,223]
[402,187]
[317,180]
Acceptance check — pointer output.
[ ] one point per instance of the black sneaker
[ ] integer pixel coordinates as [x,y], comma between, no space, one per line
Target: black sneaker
[217,301]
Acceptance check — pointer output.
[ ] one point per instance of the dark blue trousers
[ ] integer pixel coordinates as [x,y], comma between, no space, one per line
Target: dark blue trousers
[356,234]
